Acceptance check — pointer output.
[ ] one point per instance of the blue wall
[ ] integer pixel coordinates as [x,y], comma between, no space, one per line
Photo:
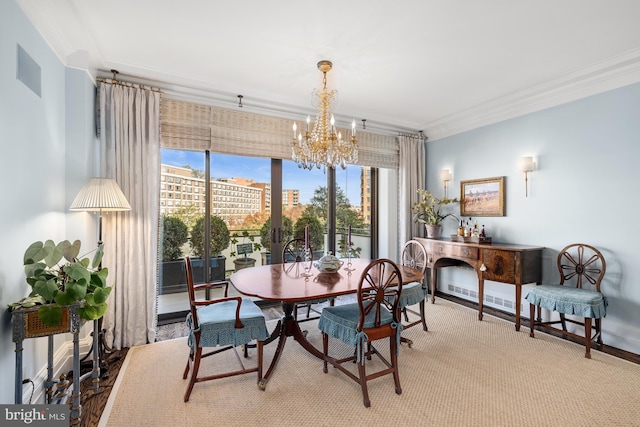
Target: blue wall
[583,190]
[48,147]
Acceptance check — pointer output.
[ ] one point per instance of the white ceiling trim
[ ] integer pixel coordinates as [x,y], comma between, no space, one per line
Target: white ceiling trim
[618,71]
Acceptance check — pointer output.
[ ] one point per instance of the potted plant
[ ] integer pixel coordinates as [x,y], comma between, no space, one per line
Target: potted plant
[175,234]
[243,249]
[429,212]
[218,241]
[59,278]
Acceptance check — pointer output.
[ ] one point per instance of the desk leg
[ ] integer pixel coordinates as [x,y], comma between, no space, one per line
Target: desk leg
[434,282]
[480,296]
[518,296]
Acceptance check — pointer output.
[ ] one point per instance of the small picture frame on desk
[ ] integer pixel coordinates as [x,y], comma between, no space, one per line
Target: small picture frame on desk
[482,197]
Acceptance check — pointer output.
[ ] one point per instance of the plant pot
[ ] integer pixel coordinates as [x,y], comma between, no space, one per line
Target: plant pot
[34,327]
[433,230]
[244,263]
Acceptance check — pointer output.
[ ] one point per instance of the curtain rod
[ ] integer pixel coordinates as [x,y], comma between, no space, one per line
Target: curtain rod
[128,84]
[114,81]
[420,135]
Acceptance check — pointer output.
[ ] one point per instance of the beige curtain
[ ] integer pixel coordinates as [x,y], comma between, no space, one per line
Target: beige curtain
[130,153]
[411,177]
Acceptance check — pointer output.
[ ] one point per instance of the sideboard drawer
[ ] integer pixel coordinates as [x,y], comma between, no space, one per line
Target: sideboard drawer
[441,249]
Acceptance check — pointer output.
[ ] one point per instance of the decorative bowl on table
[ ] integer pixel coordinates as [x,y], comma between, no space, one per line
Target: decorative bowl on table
[328,264]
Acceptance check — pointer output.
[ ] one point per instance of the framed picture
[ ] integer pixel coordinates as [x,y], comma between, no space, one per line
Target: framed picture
[482,197]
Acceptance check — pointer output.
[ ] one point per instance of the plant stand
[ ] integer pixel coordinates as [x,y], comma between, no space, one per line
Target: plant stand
[27,324]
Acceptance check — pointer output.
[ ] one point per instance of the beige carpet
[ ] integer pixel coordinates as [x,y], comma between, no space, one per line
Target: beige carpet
[461,373]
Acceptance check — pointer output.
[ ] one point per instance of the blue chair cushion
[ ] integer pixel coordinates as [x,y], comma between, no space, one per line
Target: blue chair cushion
[217,324]
[412,293]
[341,322]
[569,300]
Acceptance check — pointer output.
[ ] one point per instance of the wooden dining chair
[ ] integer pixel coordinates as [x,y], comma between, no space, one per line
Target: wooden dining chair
[415,256]
[581,268]
[375,316]
[225,323]
[294,251]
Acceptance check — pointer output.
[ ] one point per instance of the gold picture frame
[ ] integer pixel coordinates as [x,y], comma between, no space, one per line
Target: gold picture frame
[482,197]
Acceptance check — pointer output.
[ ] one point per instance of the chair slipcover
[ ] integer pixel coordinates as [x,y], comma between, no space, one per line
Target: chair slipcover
[568,300]
[217,324]
[341,322]
[412,293]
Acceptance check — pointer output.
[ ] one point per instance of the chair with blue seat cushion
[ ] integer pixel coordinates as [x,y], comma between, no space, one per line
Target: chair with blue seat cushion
[581,268]
[375,316]
[415,256]
[225,323]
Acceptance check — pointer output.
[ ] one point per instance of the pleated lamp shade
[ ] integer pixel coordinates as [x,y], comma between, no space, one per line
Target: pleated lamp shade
[100,194]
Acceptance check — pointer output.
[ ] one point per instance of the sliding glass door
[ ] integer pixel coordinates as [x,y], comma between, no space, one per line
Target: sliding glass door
[251,207]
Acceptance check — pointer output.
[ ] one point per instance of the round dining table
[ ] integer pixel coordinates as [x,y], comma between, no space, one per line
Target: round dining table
[288,284]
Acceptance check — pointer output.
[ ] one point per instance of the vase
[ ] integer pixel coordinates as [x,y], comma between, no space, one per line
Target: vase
[433,230]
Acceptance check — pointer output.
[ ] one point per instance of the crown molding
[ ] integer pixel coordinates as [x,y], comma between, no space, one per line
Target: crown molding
[613,73]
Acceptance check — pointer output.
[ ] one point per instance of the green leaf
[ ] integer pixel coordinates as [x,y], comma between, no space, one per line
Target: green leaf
[53,254]
[51,315]
[64,298]
[77,291]
[69,251]
[34,253]
[48,289]
[92,312]
[78,272]
[97,256]
[100,295]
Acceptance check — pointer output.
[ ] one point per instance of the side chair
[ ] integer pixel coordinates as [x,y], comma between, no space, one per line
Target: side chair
[225,323]
[375,316]
[415,256]
[581,268]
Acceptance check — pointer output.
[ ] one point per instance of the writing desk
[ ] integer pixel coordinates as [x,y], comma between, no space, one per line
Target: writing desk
[499,262]
[285,283]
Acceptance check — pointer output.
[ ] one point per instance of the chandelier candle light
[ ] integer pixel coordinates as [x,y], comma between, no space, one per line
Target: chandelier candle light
[322,146]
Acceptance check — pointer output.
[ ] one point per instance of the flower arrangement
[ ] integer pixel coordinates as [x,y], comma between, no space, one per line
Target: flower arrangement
[428,210]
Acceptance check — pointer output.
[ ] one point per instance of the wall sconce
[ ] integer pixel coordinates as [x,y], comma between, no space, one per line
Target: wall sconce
[526,165]
[445,177]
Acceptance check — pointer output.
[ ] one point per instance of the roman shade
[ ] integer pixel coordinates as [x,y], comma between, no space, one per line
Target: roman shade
[190,126]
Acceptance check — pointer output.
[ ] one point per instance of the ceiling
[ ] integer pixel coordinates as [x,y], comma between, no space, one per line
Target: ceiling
[441,66]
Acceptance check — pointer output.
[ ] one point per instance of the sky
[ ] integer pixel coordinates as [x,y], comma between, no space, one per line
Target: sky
[259,169]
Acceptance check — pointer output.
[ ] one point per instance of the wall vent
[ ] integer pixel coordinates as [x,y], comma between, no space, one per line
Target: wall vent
[498,302]
[28,71]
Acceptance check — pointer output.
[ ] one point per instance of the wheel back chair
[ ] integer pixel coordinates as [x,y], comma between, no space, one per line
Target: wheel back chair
[581,268]
[415,256]
[225,323]
[294,251]
[375,316]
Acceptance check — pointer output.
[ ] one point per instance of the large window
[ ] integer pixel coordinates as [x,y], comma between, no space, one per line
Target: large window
[255,206]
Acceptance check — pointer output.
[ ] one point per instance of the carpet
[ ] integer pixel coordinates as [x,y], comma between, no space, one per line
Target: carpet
[462,372]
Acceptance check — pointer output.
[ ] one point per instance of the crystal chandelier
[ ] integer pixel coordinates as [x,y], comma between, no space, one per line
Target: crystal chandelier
[322,146]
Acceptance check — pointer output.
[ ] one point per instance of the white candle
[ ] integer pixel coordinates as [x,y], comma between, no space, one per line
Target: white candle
[294,129]
[306,237]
